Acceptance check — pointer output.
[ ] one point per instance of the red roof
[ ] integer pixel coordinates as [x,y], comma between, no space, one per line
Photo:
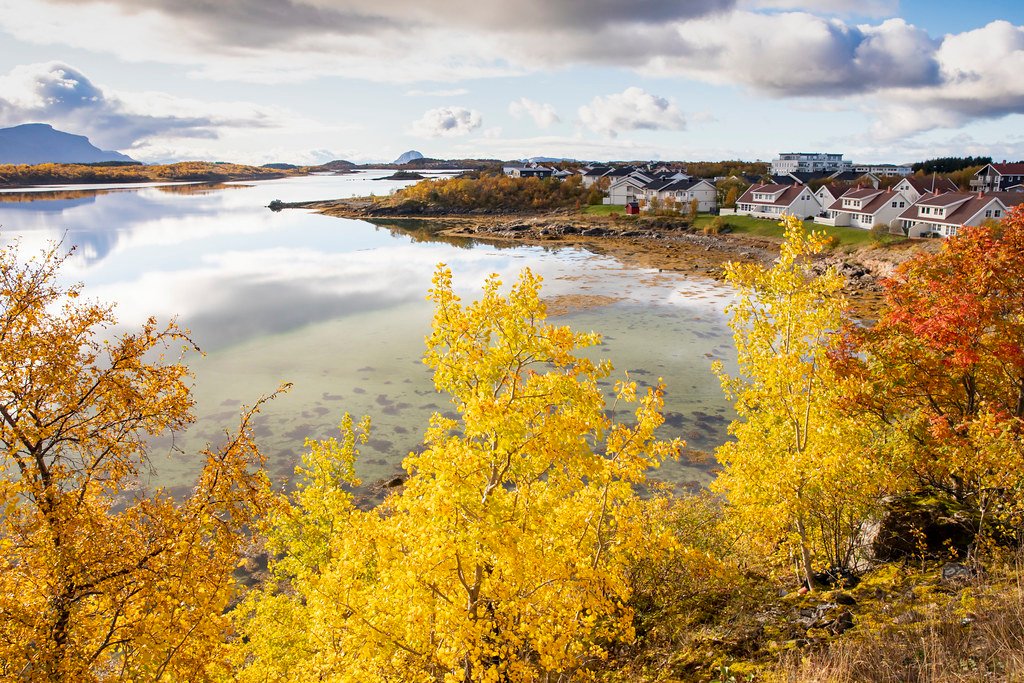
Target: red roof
[925,184]
[790,193]
[959,216]
[872,207]
[1009,169]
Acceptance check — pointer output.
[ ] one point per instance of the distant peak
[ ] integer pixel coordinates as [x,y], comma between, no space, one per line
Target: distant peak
[411,155]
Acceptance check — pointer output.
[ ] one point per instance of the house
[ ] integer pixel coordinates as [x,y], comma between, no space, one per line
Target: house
[593,175]
[625,189]
[915,187]
[943,214]
[828,194]
[679,194]
[998,177]
[788,162]
[773,200]
[864,208]
[529,171]
[799,177]
[855,178]
[884,169]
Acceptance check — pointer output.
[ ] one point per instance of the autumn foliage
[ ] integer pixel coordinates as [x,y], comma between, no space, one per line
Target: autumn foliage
[943,370]
[98,580]
[505,557]
[519,547]
[498,192]
[48,174]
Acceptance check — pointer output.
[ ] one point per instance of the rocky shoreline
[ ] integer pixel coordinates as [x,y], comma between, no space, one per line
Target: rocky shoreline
[649,242]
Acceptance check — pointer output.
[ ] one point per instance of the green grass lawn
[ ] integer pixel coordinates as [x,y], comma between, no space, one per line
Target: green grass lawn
[604,209]
[853,237]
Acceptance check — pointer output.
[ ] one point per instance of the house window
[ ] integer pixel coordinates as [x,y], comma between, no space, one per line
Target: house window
[998,213]
[903,205]
[868,219]
[988,213]
[894,205]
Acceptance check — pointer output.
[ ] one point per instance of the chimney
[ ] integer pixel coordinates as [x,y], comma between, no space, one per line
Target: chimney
[981,194]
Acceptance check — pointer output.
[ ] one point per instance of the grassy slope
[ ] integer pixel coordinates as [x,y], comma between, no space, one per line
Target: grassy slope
[853,237]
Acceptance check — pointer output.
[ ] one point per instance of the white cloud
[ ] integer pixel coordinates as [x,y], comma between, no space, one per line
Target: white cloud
[447,122]
[59,94]
[544,115]
[980,77]
[632,109]
[453,92]
[782,48]
[799,54]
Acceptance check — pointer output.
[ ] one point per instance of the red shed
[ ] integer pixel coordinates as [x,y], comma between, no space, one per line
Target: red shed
[632,208]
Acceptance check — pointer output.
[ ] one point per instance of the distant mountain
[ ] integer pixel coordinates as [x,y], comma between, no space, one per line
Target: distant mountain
[411,155]
[547,160]
[278,166]
[40,143]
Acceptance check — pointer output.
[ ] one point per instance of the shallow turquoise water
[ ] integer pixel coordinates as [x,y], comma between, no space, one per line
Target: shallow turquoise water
[337,307]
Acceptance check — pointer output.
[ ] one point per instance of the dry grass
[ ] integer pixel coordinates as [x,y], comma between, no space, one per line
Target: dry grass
[977,635]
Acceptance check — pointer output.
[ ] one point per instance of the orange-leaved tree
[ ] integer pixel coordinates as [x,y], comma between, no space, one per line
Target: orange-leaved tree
[507,554]
[943,369]
[98,580]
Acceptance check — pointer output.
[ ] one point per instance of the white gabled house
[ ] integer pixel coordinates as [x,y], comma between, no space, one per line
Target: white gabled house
[625,189]
[593,175]
[864,208]
[678,194]
[772,201]
[943,215]
[828,194]
[915,187]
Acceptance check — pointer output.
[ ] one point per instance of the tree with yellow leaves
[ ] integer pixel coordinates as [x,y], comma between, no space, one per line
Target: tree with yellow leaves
[99,581]
[796,476]
[505,556]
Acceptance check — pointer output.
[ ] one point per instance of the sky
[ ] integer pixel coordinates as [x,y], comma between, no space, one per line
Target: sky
[308,81]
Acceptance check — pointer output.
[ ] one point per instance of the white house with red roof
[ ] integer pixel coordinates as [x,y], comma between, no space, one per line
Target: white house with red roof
[915,187]
[827,194]
[998,177]
[943,215]
[773,200]
[864,208]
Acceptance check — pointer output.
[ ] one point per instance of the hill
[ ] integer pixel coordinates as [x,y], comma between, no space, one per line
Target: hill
[40,143]
[411,155]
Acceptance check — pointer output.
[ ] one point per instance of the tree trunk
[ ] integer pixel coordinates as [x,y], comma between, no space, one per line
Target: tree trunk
[805,553]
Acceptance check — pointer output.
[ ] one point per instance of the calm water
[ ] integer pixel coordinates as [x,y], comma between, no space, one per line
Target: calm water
[338,308]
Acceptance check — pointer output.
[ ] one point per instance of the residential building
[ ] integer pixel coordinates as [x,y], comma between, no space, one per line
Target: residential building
[998,177]
[593,175]
[678,194]
[942,215]
[529,171]
[809,162]
[626,189]
[864,208]
[774,200]
[828,194]
[915,187]
[884,169]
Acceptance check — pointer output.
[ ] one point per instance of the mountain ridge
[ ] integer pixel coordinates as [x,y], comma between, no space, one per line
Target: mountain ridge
[41,143]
